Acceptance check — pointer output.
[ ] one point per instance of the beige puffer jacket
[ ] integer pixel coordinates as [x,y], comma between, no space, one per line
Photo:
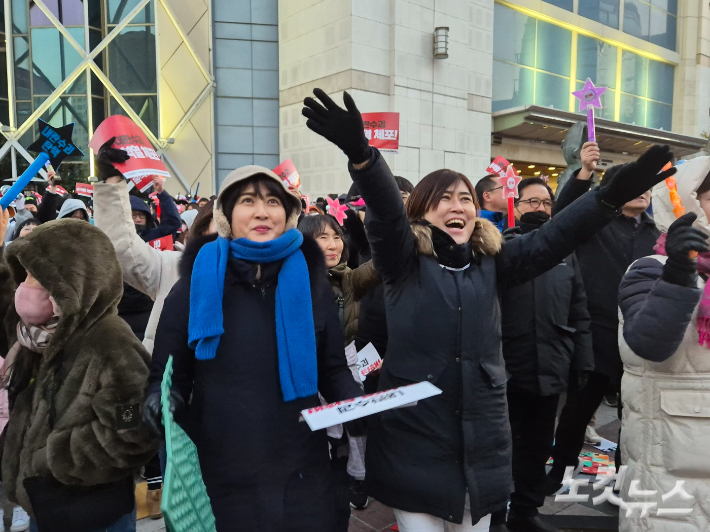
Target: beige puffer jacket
[665,435]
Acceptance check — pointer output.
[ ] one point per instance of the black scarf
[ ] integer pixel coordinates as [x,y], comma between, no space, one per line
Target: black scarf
[532,220]
[449,253]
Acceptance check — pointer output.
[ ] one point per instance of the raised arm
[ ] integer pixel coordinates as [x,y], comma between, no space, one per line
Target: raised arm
[386,221]
[581,180]
[530,255]
[141,264]
[657,300]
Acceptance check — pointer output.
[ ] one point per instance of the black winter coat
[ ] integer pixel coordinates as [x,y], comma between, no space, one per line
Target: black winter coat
[545,326]
[444,327]
[264,470]
[603,262]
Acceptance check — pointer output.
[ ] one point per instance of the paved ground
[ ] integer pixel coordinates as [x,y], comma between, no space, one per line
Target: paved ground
[566,516]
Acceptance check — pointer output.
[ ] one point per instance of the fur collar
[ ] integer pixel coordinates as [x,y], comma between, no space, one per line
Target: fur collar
[485,240]
[311,252]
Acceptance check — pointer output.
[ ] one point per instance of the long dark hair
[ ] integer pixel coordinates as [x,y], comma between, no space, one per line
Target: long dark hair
[429,191]
[315,225]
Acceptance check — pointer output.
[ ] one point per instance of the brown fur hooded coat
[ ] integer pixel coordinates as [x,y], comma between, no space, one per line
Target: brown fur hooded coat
[64,422]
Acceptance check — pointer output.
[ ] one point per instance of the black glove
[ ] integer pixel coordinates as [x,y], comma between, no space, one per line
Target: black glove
[153,411]
[342,127]
[511,233]
[683,238]
[106,158]
[633,179]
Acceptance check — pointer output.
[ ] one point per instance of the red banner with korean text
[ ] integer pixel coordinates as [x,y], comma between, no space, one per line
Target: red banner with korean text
[288,174]
[163,244]
[382,130]
[498,166]
[84,189]
[144,162]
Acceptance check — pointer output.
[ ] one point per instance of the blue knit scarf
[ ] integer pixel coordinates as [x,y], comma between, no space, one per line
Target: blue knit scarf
[295,332]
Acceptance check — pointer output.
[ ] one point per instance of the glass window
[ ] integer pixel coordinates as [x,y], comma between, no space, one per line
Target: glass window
[551,91]
[23,87]
[604,11]
[633,110]
[131,60]
[554,45]
[564,4]
[68,12]
[513,86]
[66,110]
[146,107]
[659,115]
[517,43]
[634,70]
[19,16]
[53,58]
[119,9]
[652,20]
[636,18]
[662,28]
[660,81]
[95,14]
[596,60]
[667,5]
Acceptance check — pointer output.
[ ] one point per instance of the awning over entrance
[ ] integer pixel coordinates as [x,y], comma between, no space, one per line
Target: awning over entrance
[547,125]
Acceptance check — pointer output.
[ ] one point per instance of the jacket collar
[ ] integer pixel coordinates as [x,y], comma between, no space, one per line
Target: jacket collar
[485,240]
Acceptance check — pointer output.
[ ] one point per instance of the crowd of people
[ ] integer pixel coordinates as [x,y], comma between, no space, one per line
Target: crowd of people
[264,301]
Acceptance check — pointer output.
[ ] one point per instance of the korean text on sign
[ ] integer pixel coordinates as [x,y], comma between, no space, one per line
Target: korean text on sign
[382,130]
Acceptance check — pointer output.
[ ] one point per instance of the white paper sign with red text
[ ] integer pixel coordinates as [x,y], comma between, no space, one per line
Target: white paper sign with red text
[368,360]
[322,417]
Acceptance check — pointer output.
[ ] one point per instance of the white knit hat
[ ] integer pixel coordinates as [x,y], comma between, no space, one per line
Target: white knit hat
[224,228]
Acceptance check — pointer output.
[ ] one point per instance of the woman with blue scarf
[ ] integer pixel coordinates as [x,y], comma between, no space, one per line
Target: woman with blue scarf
[255,335]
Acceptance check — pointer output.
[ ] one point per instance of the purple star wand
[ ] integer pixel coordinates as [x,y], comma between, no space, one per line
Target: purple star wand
[589,98]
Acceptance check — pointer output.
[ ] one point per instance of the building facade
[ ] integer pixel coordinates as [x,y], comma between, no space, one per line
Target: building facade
[505,88]
[217,84]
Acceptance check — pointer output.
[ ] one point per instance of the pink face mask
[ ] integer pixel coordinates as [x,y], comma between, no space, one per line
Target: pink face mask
[33,304]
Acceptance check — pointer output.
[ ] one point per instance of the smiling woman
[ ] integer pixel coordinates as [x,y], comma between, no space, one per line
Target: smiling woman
[447,200]
[255,336]
[448,459]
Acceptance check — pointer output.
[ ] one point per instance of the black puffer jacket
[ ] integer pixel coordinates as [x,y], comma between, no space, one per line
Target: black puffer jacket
[603,261]
[264,470]
[444,327]
[545,326]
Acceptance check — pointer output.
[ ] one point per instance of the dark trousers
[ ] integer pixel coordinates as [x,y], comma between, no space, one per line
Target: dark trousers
[340,485]
[532,423]
[574,418]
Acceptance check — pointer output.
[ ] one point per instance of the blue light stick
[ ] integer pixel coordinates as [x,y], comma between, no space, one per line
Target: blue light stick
[22,181]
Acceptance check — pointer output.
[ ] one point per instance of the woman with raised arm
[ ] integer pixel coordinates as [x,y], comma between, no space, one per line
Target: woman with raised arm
[445,464]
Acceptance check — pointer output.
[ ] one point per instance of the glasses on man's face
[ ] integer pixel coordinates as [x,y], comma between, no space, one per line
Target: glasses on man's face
[536,202]
[497,188]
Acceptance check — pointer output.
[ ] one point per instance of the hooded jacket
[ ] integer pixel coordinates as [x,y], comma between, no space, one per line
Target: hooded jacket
[71,205]
[237,407]
[664,392]
[146,269]
[170,221]
[70,420]
[444,327]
